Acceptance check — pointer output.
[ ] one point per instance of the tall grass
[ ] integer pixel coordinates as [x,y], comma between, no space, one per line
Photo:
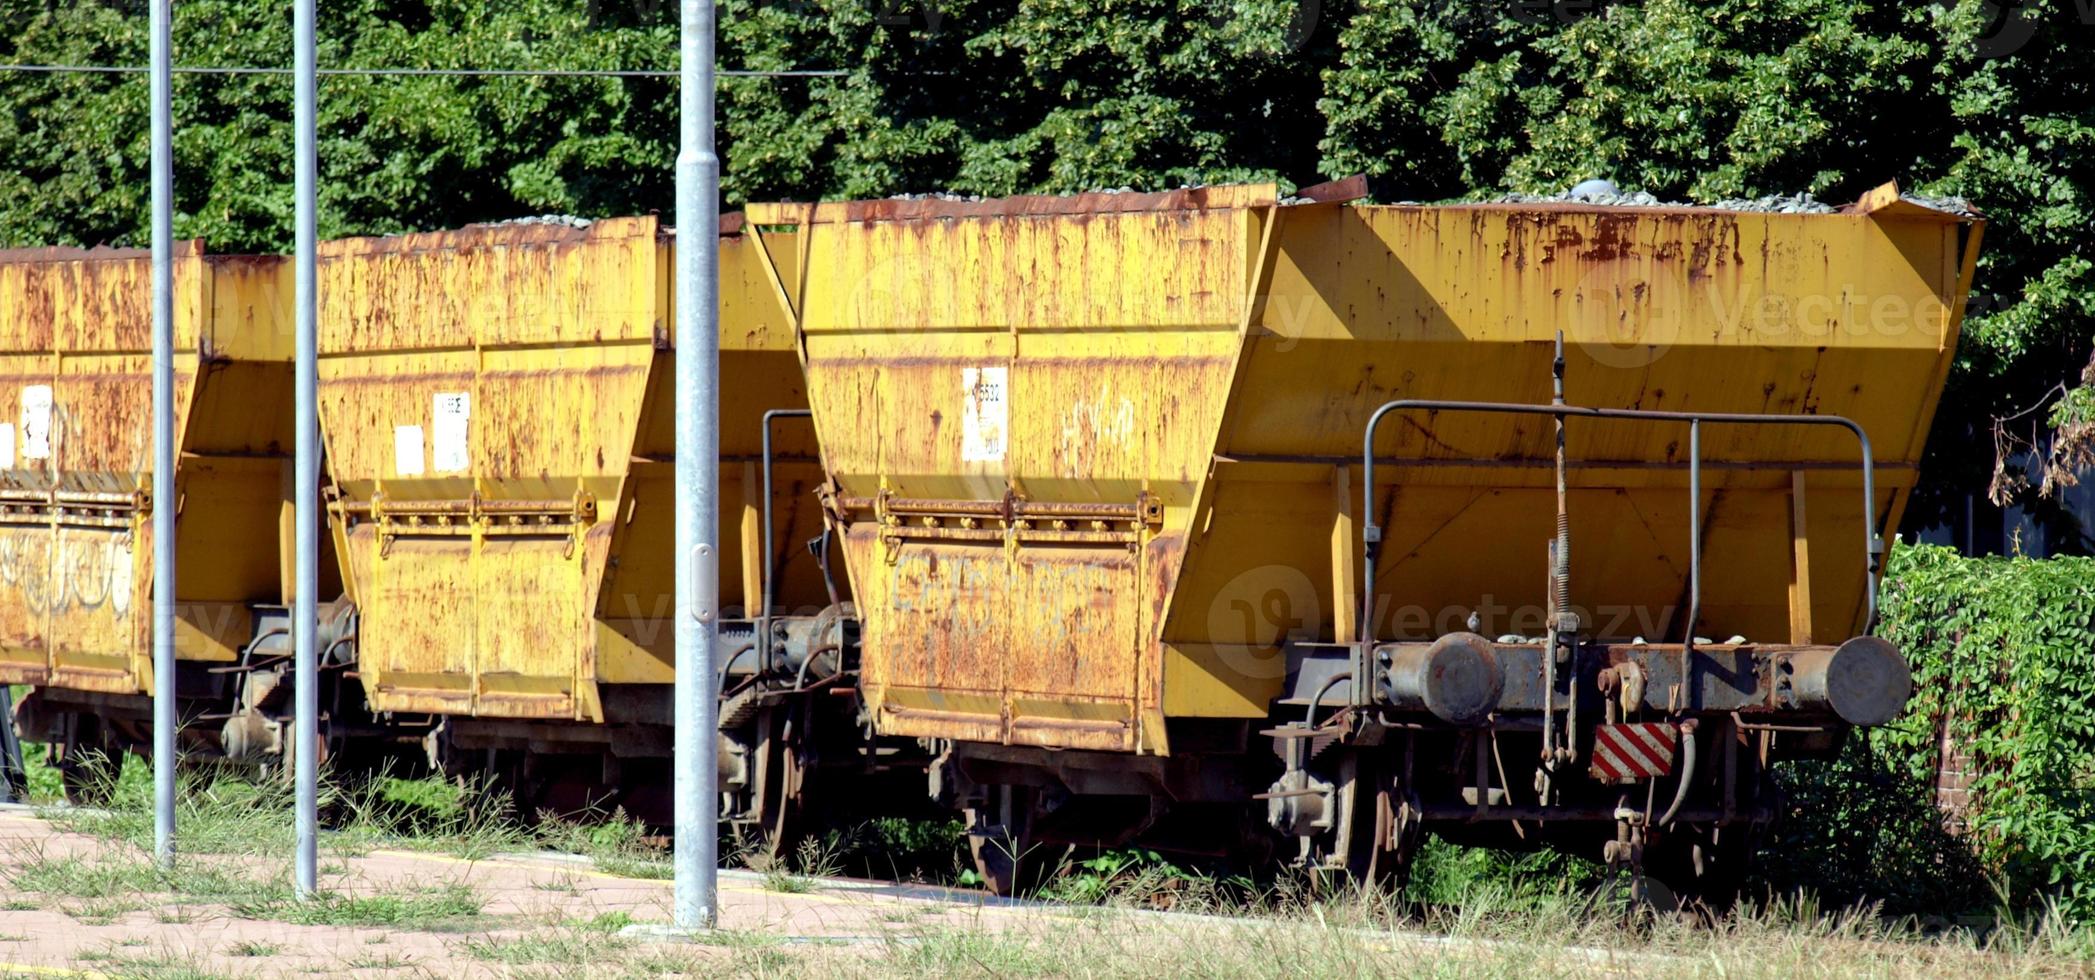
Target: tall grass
[1530,904]
[224,811]
[1466,913]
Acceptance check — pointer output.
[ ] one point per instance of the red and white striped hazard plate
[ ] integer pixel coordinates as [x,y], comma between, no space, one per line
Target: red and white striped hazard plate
[1625,753]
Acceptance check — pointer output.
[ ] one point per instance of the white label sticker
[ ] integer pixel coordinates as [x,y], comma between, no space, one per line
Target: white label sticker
[36,422]
[7,445]
[407,450]
[454,418]
[984,414]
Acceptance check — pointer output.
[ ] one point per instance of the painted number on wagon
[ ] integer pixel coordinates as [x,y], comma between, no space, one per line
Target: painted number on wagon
[454,418]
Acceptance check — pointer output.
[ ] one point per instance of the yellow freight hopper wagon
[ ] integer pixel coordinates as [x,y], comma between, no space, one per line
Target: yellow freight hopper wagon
[76,449]
[1098,468]
[497,406]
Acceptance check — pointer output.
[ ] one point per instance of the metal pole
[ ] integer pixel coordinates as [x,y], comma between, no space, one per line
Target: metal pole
[697,477]
[163,165]
[1694,537]
[14,778]
[306,466]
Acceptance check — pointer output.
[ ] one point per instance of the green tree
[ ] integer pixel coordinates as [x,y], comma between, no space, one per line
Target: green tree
[396,153]
[973,96]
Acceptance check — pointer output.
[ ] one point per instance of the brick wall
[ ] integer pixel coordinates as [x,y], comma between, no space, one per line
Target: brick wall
[1955,769]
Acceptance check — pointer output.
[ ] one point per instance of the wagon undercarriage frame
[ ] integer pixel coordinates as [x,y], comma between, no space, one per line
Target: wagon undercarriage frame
[1594,726]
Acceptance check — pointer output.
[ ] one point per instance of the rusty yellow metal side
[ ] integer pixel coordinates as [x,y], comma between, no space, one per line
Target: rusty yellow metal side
[76,452]
[479,391]
[1093,467]
[964,370]
[498,408]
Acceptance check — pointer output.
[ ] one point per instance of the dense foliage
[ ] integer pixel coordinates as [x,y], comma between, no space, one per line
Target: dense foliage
[2001,652]
[396,153]
[1435,99]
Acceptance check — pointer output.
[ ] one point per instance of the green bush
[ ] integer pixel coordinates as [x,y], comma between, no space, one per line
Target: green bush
[2003,655]
[1857,830]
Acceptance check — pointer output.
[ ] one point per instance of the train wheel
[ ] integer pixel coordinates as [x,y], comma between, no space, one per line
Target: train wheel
[1367,841]
[512,775]
[1700,870]
[88,760]
[782,783]
[1000,838]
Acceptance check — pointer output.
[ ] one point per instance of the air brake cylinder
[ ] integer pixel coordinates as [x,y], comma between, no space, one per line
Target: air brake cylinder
[1456,678]
[1864,681]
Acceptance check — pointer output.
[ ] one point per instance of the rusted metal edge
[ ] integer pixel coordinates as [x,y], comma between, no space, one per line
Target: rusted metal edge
[1340,191]
[903,518]
[1146,509]
[91,498]
[937,715]
[66,520]
[1883,201]
[100,253]
[732,224]
[1559,208]
[1541,462]
[583,504]
[122,674]
[1043,722]
[455,239]
[903,532]
[1035,722]
[1218,197]
[511,234]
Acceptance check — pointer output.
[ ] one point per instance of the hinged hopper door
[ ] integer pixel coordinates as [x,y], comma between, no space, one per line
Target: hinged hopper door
[480,392]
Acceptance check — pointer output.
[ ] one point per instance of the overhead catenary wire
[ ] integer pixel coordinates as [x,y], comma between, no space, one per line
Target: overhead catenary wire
[431,72]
